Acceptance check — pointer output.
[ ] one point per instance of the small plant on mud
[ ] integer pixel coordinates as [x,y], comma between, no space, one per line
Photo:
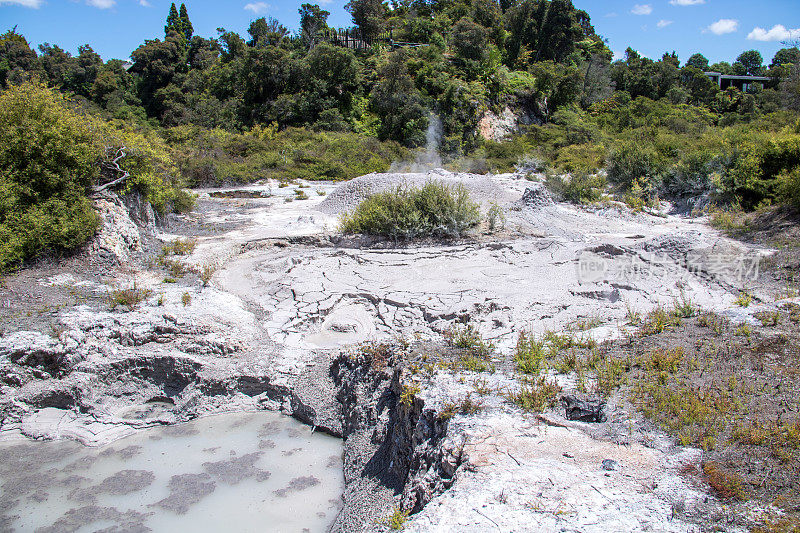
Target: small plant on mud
[471,363]
[684,308]
[568,362]
[206,273]
[160,301]
[379,354]
[535,394]
[179,247]
[469,339]
[481,387]
[175,268]
[713,321]
[744,299]
[410,391]
[579,188]
[743,331]
[769,319]
[186,299]
[611,373]
[632,316]
[529,355]
[658,321]
[496,218]
[727,485]
[397,520]
[300,195]
[129,298]
[730,220]
[466,406]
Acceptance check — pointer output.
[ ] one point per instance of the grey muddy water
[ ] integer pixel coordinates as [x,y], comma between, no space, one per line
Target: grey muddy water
[248,472]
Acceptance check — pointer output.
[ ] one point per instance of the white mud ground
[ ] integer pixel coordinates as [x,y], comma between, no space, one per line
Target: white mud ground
[289,295]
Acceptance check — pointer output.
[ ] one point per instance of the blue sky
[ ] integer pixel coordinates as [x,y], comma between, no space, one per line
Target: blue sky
[720,29]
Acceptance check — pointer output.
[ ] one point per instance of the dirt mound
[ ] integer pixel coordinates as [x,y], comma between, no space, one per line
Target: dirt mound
[347,196]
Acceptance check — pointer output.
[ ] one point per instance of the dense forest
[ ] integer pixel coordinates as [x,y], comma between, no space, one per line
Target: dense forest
[191,110]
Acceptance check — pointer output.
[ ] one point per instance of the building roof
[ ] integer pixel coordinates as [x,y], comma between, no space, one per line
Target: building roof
[737,78]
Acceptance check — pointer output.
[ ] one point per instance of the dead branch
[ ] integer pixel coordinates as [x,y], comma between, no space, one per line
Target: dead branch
[113,165]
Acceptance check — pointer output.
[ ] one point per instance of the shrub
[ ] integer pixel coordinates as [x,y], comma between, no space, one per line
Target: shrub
[129,298]
[496,218]
[631,160]
[529,354]
[435,209]
[536,395]
[580,188]
[48,157]
[789,186]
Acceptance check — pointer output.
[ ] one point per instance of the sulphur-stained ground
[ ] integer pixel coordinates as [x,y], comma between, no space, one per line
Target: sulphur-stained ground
[253,299]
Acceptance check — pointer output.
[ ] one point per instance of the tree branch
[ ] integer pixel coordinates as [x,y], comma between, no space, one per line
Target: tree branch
[114,165]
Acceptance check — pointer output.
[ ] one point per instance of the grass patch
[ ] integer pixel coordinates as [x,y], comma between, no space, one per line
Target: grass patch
[397,520]
[529,356]
[128,298]
[435,209]
[408,394]
[179,247]
[465,406]
[726,485]
[535,395]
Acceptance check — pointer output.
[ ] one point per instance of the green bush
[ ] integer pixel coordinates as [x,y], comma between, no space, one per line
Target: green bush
[789,186]
[50,158]
[579,188]
[434,209]
[216,157]
[631,160]
[48,161]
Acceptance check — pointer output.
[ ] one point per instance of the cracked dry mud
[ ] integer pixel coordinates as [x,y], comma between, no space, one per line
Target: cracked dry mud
[289,296]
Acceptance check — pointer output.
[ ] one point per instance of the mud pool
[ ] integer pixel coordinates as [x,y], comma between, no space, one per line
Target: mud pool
[231,472]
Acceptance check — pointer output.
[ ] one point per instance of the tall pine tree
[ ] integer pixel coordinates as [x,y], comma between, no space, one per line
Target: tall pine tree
[173,21]
[186,25]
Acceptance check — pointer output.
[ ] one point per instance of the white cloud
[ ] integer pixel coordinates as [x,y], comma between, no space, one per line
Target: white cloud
[723,26]
[258,8]
[687,2]
[145,3]
[777,33]
[101,4]
[664,23]
[35,4]
[642,9]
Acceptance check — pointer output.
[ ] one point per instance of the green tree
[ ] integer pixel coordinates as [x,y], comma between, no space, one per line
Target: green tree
[786,56]
[398,104]
[173,21]
[542,30]
[17,61]
[265,32]
[723,67]
[698,61]
[368,16]
[313,20]
[700,86]
[752,62]
[186,27]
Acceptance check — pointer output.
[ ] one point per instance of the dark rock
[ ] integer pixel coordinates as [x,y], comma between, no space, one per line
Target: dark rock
[610,465]
[584,410]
